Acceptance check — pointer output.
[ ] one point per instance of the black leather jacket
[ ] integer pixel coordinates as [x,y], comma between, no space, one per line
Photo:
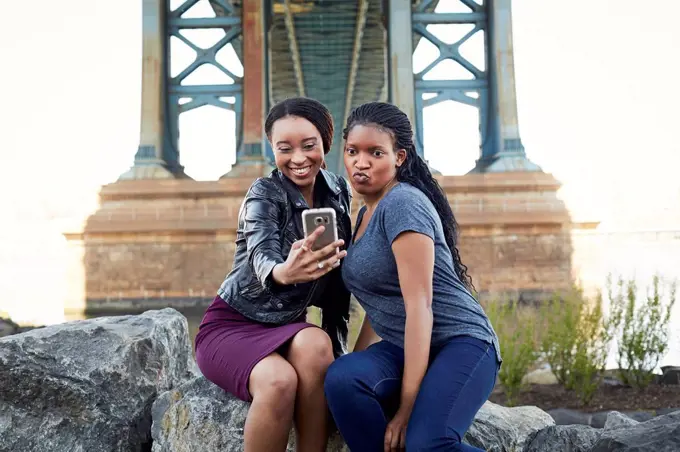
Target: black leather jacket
[268,223]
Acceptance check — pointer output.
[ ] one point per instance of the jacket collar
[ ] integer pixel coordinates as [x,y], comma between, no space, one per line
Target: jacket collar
[324,177]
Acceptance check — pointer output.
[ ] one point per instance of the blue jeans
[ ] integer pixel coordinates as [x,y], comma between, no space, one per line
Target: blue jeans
[363,391]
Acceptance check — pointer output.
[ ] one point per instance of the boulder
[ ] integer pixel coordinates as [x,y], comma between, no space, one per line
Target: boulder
[89,385]
[567,416]
[199,415]
[572,438]
[660,434]
[671,375]
[8,327]
[543,376]
[500,429]
[618,420]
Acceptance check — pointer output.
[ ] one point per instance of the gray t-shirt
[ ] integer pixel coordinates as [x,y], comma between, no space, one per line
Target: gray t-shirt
[370,272]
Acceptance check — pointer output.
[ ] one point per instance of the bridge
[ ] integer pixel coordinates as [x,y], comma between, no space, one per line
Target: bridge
[160,237]
[341,52]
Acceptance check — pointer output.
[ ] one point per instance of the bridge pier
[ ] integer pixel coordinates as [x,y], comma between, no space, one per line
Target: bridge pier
[250,155]
[157,156]
[161,238]
[502,148]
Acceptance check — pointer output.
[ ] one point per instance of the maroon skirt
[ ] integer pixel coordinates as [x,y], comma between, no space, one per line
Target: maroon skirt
[229,345]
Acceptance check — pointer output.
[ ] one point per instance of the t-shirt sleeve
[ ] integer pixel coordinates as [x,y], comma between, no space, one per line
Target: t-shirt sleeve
[405,211]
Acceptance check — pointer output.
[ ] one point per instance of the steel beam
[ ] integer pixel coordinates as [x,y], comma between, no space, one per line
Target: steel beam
[204,22]
[427,86]
[354,67]
[401,58]
[293,46]
[448,18]
[155,157]
[196,90]
[502,148]
[250,154]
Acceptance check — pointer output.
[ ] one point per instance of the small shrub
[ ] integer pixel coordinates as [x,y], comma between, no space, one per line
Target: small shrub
[558,340]
[515,327]
[576,342]
[641,332]
[591,350]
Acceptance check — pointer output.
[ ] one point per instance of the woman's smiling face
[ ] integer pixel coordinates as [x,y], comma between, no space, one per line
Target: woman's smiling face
[298,149]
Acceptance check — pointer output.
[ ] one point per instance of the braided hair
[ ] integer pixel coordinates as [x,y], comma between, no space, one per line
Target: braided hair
[414,170]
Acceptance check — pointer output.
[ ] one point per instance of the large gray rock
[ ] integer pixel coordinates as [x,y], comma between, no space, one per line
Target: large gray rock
[500,429]
[88,386]
[567,416]
[200,416]
[661,434]
[618,420]
[8,327]
[563,438]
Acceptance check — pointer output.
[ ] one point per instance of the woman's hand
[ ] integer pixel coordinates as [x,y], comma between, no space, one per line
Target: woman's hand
[304,264]
[395,434]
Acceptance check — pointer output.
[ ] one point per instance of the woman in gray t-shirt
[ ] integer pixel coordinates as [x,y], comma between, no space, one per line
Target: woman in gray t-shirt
[427,356]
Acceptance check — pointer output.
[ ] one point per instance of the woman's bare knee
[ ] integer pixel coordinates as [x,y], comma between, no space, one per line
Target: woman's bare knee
[311,350]
[274,381]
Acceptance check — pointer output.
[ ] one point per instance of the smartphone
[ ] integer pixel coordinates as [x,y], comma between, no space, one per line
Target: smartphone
[313,218]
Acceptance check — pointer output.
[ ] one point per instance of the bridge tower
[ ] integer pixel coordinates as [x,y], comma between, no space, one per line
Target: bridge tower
[161,237]
[249,26]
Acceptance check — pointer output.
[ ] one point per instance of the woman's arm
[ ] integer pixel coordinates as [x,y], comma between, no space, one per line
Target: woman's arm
[261,212]
[367,336]
[414,253]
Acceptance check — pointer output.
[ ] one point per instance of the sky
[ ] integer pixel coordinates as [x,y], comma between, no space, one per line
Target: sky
[596,84]
[597,89]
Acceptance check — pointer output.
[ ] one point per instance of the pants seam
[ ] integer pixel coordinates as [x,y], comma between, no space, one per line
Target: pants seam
[479,362]
[382,381]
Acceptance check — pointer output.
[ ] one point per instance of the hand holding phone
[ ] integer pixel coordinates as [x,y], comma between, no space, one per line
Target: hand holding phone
[313,218]
[317,254]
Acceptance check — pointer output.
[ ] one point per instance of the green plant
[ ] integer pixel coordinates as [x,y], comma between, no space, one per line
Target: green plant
[558,341]
[591,349]
[641,332]
[576,342]
[515,327]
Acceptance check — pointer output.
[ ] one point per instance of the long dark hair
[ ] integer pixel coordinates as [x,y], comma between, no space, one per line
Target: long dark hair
[414,170]
[309,109]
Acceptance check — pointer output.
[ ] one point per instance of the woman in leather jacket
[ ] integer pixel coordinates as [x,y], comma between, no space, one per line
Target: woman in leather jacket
[254,341]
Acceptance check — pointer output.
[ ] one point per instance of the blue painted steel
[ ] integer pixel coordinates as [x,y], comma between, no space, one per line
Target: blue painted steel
[456,90]
[501,147]
[229,20]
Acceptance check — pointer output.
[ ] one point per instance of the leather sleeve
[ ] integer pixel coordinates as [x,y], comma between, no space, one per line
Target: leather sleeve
[335,315]
[261,229]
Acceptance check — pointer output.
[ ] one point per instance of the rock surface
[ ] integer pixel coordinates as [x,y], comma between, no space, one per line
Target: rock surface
[618,420]
[661,434]
[89,385]
[500,429]
[8,327]
[115,383]
[200,416]
[540,377]
[567,416]
[671,375]
[572,438]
